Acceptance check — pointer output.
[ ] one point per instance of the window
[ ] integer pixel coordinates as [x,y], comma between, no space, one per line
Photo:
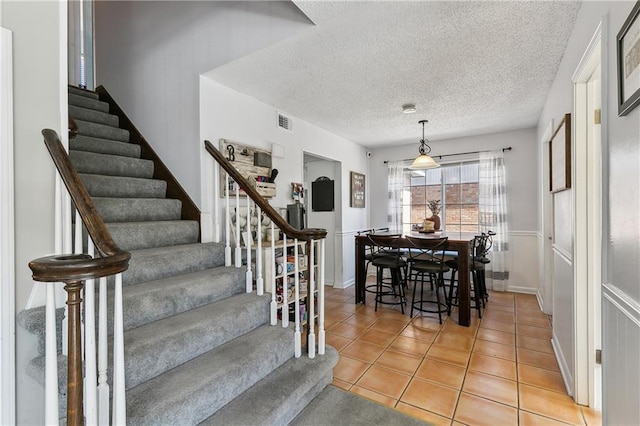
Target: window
[455,185]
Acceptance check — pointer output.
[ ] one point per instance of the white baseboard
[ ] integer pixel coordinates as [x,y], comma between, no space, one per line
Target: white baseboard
[345,284]
[567,378]
[520,289]
[541,302]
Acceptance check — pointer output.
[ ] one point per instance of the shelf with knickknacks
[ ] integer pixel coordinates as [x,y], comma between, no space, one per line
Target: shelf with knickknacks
[433,222]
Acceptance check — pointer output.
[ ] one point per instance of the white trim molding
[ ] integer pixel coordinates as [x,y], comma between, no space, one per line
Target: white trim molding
[622,301]
[567,378]
[7,246]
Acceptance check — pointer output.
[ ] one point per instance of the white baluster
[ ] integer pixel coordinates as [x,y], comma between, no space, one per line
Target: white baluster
[51,359]
[321,335]
[285,281]
[249,274]
[90,377]
[297,338]
[259,280]
[238,252]
[119,400]
[227,223]
[216,203]
[311,343]
[274,305]
[103,356]
[77,240]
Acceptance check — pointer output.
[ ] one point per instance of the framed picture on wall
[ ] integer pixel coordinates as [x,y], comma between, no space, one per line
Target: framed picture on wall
[357,190]
[628,59]
[560,156]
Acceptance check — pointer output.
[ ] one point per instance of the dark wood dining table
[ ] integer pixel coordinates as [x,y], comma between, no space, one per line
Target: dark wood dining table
[459,242]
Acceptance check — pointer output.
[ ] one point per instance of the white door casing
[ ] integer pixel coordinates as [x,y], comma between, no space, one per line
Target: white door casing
[587,174]
[7,248]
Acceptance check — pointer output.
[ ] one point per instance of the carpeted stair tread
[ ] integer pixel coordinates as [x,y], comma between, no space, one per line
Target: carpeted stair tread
[177,339]
[33,320]
[102,131]
[335,406]
[36,370]
[104,146]
[123,187]
[195,390]
[83,92]
[86,114]
[154,300]
[280,396]
[89,103]
[137,209]
[111,165]
[161,262]
[139,235]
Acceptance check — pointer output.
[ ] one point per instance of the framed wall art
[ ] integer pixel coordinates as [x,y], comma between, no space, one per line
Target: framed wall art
[357,190]
[628,59]
[560,156]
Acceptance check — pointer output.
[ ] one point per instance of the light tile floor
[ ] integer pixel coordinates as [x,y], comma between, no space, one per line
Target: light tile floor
[499,371]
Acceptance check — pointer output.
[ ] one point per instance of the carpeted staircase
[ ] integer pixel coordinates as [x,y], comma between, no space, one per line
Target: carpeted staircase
[198,349]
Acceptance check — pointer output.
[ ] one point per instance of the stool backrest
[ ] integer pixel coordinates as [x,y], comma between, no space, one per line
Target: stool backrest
[388,243]
[427,249]
[482,245]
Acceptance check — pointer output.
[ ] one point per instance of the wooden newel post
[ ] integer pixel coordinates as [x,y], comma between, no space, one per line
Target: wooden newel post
[75,415]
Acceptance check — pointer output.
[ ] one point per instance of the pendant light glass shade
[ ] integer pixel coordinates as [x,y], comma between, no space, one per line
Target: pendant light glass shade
[423,161]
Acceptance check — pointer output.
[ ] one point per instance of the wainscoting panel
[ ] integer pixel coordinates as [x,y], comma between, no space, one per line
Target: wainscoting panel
[563,315]
[523,273]
[620,348]
[345,259]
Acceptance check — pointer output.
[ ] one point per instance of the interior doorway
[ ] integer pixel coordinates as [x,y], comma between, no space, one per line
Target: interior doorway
[588,154]
[318,168]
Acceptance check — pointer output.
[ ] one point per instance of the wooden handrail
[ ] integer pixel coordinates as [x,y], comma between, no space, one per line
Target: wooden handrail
[73,269]
[306,234]
[190,210]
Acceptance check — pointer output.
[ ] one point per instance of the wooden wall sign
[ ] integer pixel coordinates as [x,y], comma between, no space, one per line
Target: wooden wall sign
[357,190]
[253,163]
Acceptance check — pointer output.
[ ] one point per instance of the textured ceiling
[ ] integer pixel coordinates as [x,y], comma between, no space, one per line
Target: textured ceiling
[469,67]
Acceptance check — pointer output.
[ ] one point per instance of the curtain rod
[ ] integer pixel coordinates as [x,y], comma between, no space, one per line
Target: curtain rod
[457,153]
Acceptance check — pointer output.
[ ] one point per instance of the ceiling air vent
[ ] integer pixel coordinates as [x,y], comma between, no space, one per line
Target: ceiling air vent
[285,122]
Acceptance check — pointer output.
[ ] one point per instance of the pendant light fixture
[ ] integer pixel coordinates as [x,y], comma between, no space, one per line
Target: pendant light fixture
[423,161]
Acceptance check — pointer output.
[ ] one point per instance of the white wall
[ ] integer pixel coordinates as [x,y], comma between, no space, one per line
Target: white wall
[522,189]
[149,55]
[39,94]
[621,233]
[225,113]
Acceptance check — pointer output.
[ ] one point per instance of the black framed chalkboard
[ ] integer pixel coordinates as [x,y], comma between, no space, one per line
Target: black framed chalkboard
[322,195]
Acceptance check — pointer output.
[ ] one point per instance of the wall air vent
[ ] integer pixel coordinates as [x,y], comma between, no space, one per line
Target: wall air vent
[285,122]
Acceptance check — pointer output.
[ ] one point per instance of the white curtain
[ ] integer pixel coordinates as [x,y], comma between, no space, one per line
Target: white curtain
[493,216]
[395,186]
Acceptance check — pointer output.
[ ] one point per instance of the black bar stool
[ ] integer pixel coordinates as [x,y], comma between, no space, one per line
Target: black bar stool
[426,258]
[481,246]
[389,256]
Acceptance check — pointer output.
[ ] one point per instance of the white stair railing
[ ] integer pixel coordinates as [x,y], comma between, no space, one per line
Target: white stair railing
[302,253]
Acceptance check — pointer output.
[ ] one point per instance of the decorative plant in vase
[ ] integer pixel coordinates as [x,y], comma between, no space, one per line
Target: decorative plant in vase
[435,207]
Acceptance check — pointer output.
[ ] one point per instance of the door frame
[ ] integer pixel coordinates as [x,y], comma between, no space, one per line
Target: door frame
[7,244]
[545,292]
[588,177]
